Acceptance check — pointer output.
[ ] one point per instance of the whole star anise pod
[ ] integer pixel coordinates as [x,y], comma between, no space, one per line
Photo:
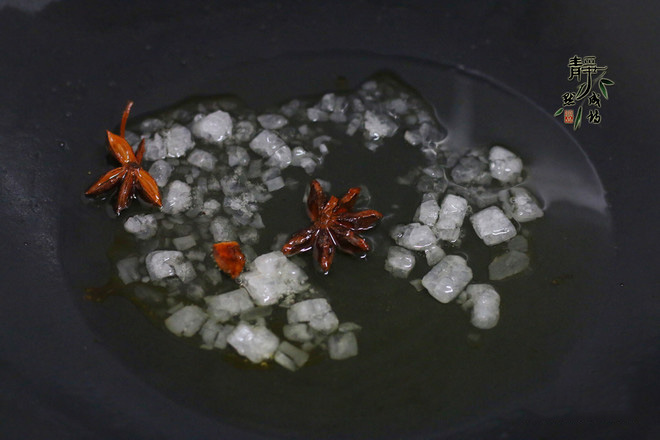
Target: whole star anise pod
[334,226]
[130,174]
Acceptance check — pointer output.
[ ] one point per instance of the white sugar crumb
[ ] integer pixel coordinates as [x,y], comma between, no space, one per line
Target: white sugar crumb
[414,236]
[184,243]
[447,278]
[237,156]
[316,115]
[281,157]
[504,165]
[214,334]
[471,170]
[399,261]
[275,184]
[210,207]
[244,131]
[222,307]
[160,170]
[177,197]
[315,312]
[213,128]
[256,343]
[484,302]
[519,204]
[378,125]
[164,264]
[271,277]
[492,226]
[154,148]
[272,121]
[222,230]
[266,143]
[289,356]
[450,218]
[342,346]
[507,265]
[298,332]
[427,213]
[177,141]
[202,159]
[128,270]
[143,226]
[434,254]
[186,321]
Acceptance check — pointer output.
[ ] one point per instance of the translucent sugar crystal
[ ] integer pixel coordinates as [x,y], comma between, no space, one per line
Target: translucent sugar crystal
[427,213]
[184,243]
[399,261]
[237,156]
[271,277]
[177,197]
[342,346]
[224,306]
[290,356]
[244,131]
[508,264]
[127,270]
[160,171]
[202,159]
[378,125]
[447,278]
[434,254]
[519,204]
[413,236]
[504,165]
[214,334]
[471,170]
[298,332]
[186,321]
[272,121]
[450,218]
[177,141]
[213,128]
[163,264]
[484,302]
[143,226]
[266,143]
[222,230]
[316,312]
[154,148]
[255,342]
[492,226]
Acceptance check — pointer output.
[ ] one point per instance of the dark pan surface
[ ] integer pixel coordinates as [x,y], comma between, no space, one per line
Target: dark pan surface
[71,368]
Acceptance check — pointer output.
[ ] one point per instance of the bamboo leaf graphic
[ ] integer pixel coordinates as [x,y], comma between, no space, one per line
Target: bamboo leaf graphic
[603,90]
[578,119]
[581,91]
[559,112]
[607,81]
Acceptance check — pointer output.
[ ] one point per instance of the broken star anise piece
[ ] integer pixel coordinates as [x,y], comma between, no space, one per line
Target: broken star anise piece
[334,225]
[229,258]
[130,175]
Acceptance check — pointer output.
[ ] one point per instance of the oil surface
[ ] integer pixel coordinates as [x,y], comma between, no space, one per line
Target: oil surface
[421,366]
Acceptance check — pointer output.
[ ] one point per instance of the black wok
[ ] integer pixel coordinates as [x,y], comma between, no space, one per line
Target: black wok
[70,368]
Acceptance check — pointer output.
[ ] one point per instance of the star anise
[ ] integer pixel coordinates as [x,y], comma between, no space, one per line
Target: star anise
[130,174]
[333,226]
